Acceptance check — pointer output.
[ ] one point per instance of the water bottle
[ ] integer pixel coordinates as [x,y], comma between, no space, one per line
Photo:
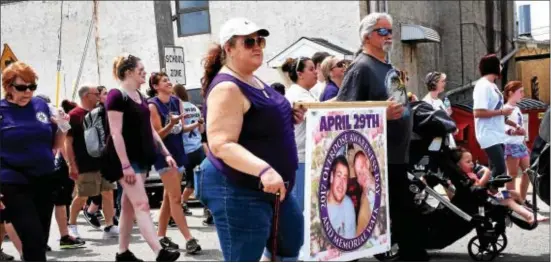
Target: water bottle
[58,115]
[447,103]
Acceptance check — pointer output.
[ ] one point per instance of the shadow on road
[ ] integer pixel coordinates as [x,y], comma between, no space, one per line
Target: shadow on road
[67,253]
[204,255]
[504,257]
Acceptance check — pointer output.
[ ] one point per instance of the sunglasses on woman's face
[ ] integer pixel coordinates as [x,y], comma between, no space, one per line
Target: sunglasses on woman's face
[340,64]
[23,88]
[250,42]
[383,31]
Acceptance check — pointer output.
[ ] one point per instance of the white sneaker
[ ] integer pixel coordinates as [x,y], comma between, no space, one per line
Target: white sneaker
[113,231]
[73,231]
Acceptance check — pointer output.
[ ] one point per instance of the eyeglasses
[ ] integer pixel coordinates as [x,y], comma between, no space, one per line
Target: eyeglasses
[383,31]
[340,64]
[298,63]
[23,88]
[250,42]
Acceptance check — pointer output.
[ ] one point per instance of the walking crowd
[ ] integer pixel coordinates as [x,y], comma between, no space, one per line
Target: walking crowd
[241,150]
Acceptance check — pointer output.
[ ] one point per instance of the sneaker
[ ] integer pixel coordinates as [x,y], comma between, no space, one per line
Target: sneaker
[187,212]
[99,215]
[69,242]
[166,255]
[209,221]
[192,246]
[166,242]
[48,248]
[92,219]
[5,257]
[111,231]
[73,230]
[127,256]
[171,223]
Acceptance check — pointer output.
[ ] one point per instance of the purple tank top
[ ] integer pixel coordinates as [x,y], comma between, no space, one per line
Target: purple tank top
[267,132]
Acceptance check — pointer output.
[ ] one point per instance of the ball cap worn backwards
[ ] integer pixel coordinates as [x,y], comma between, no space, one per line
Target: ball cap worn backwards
[240,27]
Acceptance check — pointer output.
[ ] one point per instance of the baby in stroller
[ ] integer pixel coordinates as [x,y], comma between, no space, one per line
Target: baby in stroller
[480,175]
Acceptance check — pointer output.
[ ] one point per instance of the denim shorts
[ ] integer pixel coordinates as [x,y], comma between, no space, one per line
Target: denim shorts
[181,170]
[243,218]
[139,168]
[516,150]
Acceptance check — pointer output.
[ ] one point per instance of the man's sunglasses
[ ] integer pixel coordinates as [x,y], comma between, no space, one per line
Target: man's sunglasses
[251,41]
[383,31]
[23,88]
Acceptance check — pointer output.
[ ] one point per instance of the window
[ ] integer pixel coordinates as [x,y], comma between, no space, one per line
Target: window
[193,17]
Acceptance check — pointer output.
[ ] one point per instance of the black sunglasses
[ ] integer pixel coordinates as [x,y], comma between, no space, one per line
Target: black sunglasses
[23,88]
[383,31]
[250,42]
[340,64]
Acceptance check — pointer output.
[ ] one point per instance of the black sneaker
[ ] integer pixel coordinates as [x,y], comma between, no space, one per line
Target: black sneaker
[127,256]
[166,242]
[187,212]
[192,246]
[166,255]
[171,223]
[5,257]
[92,219]
[209,221]
[69,242]
[99,215]
[48,248]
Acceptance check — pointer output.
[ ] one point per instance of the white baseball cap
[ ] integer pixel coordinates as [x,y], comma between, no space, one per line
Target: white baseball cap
[239,27]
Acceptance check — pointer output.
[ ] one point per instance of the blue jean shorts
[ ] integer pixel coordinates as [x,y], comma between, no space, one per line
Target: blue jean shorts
[243,218]
[181,170]
[139,168]
[516,150]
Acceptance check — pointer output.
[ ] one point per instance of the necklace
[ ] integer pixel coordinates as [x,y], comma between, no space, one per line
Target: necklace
[254,85]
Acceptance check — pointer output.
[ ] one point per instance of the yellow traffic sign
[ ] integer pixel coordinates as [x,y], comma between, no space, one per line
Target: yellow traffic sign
[7,57]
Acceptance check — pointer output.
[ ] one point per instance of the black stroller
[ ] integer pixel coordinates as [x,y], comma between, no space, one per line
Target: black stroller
[470,208]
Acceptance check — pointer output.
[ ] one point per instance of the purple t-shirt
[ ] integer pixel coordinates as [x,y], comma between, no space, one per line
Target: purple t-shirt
[26,139]
[331,90]
[136,127]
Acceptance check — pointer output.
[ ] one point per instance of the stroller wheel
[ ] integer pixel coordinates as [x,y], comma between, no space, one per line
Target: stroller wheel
[389,256]
[479,253]
[501,242]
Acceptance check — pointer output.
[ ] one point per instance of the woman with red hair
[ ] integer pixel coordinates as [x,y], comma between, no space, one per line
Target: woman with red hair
[489,114]
[29,136]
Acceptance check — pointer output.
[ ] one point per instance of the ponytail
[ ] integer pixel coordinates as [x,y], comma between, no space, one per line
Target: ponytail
[213,63]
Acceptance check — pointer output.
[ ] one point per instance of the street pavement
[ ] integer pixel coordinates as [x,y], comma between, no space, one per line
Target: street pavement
[523,245]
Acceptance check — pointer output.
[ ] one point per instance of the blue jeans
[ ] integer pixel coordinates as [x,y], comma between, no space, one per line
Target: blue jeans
[298,190]
[243,218]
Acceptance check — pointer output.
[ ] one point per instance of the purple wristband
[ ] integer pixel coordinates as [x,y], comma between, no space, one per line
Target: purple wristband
[126,167]
[264,171]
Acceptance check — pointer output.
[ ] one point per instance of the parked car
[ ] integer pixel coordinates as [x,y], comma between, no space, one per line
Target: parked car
[153,184]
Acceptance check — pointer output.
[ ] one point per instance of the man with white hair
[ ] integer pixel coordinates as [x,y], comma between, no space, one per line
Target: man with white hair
[371,77]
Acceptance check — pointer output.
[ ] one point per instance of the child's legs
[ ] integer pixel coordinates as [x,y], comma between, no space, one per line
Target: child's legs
[518,209]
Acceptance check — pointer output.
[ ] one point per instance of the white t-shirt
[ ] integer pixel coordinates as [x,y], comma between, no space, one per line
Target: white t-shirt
[489,131]
[437,104]
[317,90]
[192,139]
[296,93]
[516,117]
[343,218]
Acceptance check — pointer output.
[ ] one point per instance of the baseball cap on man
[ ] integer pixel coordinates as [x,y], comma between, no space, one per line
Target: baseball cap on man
[239,27]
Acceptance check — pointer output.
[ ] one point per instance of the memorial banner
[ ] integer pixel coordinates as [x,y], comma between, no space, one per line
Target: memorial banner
[346,204]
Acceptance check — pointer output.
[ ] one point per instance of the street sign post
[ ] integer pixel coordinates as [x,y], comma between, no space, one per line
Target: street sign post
[174,64]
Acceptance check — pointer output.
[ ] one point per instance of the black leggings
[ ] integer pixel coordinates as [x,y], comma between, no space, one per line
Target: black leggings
[496,159]
[29,207]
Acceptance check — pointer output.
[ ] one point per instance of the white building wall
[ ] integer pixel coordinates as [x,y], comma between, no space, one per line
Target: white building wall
[287,21]
[31,30]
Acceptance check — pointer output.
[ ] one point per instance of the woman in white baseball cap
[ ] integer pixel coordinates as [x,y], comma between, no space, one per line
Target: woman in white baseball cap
[253,154]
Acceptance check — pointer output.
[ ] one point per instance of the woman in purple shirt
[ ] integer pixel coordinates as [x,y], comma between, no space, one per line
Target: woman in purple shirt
[28,138]
[252,153]
[135,142]
[332,69]
[167,117]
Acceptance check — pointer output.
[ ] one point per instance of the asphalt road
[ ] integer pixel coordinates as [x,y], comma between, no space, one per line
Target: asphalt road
[523,245]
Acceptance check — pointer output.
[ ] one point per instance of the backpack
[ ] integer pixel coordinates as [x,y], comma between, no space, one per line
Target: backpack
[96,130]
